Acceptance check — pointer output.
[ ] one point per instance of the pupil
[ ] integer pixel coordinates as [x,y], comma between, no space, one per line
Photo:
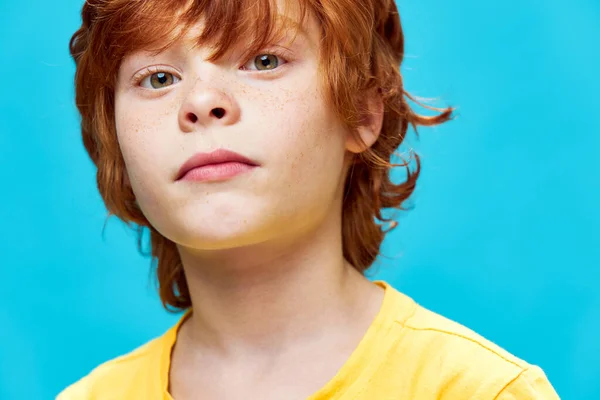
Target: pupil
[160,79]
[267,61]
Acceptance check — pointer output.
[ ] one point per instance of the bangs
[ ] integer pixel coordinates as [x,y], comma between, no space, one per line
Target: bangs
[155,25]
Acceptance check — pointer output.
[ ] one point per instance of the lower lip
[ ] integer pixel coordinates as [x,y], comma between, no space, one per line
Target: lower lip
[216,172]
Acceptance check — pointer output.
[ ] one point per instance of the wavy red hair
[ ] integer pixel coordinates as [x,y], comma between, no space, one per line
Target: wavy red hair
[353,61]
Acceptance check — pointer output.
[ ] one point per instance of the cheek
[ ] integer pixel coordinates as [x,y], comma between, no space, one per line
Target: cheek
[138,134]
[137,131]
[307,145]
[315,131]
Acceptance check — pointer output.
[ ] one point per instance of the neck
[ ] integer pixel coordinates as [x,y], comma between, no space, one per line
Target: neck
[258,299]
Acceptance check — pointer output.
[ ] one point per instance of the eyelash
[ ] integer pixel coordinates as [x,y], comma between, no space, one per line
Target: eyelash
[140,76]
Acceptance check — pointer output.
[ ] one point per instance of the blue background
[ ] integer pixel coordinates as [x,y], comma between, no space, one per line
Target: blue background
[504,236]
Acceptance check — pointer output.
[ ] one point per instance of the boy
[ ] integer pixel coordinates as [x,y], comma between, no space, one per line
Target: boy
[253,139]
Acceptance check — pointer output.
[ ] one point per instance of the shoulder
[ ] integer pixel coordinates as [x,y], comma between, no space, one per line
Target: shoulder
[117,374]
[456,339]
[460,362]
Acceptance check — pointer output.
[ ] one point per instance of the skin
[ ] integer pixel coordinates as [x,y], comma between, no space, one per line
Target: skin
[262,251]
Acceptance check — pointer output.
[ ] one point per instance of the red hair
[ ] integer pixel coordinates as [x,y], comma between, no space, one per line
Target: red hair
[353,61]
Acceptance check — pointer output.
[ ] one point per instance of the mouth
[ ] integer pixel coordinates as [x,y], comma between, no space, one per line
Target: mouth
[215,166]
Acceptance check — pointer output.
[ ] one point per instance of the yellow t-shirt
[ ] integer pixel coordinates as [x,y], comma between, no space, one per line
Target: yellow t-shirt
[408,352]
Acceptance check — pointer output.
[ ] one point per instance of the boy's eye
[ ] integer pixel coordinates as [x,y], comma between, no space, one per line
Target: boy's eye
[263,62]
[266,62]
[159,80]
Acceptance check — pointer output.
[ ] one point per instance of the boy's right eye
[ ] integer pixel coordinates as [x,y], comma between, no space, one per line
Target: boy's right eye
[159,79]
[153,78]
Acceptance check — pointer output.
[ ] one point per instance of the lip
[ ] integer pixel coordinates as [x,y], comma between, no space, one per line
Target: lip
[211,162]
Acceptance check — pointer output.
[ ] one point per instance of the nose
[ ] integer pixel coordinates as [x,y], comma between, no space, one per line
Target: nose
[205,106]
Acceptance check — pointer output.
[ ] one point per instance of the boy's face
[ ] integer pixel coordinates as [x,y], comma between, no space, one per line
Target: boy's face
[270,110]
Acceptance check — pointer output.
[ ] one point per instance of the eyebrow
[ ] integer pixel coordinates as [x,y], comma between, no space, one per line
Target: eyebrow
[300,29]
[290,22]
[283,21]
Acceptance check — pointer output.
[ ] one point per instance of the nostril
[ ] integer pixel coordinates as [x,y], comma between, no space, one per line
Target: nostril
[218,112]
[193,117]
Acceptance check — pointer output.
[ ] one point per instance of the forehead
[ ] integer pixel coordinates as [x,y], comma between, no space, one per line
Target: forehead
[221,25]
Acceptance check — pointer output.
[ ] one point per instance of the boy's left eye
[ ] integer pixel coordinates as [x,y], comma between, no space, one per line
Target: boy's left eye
[263,62]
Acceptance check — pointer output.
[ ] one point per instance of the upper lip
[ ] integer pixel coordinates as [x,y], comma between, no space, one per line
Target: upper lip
[216,157]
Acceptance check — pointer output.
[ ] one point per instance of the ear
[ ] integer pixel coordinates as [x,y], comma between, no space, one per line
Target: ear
[370,124]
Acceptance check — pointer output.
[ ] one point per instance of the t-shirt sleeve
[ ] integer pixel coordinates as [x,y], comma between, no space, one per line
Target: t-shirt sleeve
[76,391]
[530,384]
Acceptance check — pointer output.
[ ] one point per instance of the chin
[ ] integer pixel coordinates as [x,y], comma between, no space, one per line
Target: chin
[213,233]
